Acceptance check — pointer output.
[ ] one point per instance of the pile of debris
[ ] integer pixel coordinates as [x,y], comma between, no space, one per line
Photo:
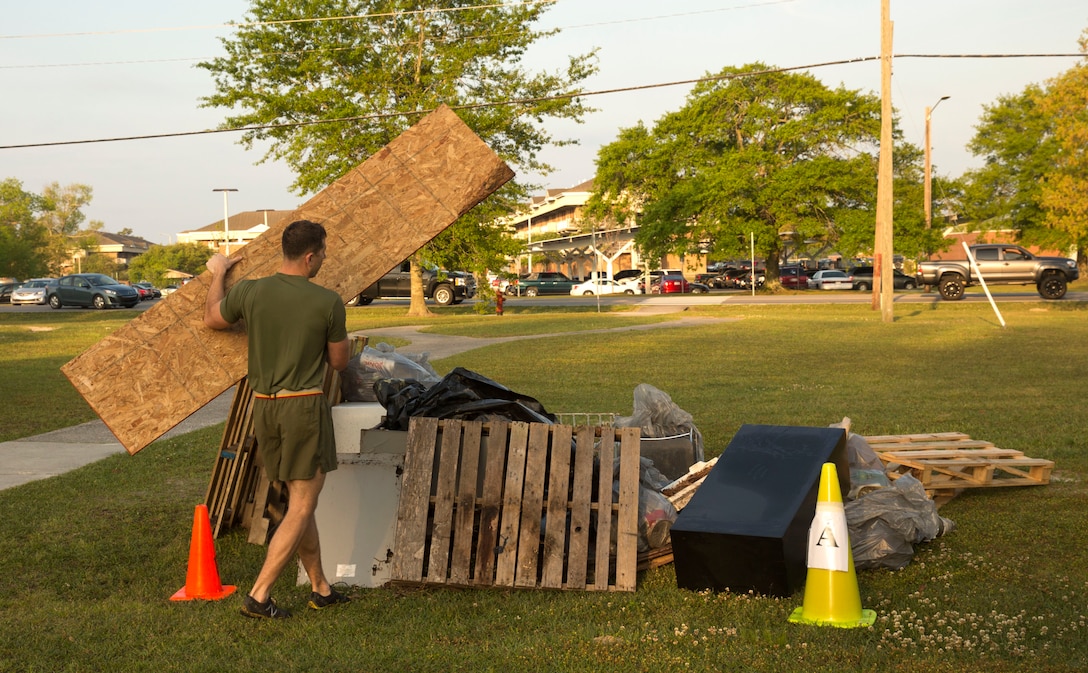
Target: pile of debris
[498,491]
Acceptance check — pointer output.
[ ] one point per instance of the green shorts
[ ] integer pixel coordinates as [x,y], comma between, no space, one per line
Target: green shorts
[294,436]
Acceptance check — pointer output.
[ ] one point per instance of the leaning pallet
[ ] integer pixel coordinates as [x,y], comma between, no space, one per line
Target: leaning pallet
[948,462]
[238,492]
[517,505]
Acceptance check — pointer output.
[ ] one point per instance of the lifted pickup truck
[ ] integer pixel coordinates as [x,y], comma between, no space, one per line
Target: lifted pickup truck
[543,282]
[444,287]
[1000,264]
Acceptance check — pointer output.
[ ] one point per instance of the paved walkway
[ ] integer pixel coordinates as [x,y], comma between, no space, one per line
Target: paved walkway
[32,458]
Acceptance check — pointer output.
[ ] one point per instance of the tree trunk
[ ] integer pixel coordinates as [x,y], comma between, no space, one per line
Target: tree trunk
[418,306]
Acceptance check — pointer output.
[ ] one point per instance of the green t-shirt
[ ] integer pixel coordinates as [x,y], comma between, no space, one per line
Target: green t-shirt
[289,321]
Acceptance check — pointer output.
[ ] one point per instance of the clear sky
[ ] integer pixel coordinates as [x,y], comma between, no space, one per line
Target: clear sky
[130,71]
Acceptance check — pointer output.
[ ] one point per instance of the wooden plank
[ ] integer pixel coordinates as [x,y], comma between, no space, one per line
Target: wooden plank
[532,505]
[972,454]
[578,556]
[555,528]
[627,515]
[465,506]
[510,517]
[920,437]
[441,526]
[150,374]
[603,542]
[972,445]
[491,503]
[411,533]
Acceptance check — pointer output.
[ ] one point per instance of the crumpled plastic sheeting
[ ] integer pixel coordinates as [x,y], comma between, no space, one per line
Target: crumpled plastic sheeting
[886,523]
[656,415]
[383,362]
[866,468]
[461,394]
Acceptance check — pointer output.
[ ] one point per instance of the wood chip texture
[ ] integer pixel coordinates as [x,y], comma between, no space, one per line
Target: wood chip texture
[152,373]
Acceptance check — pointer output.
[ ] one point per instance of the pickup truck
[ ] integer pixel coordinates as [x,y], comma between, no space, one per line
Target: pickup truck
[1000,264]
[543,282]
[444,287]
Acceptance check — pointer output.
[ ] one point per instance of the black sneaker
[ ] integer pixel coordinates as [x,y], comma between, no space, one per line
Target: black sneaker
[266,610]
[319,602]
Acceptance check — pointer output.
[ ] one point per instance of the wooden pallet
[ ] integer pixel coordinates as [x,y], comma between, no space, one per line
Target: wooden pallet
[947,462]
[235,470]
[516,505]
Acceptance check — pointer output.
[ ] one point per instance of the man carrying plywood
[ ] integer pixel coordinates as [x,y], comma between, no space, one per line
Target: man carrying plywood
[294,328]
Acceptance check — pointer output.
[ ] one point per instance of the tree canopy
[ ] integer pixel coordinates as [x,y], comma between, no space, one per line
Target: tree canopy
[1064,190]
[23,238]
[153,264]
[1016,143]
[753,151]
[327,83]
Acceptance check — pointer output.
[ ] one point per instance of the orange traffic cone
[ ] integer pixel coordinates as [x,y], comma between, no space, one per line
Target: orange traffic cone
[202,579]
[831,589]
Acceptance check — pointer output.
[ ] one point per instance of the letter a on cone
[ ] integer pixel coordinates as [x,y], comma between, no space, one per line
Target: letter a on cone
[831,588]
[202,578]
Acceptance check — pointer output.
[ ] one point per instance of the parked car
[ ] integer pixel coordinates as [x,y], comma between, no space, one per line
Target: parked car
[5,292]
[676,284]
[147,291]
[91,289]
[541,282]
[742,278]
[169,289]
[32,291]
[628,274]
[863,279]
[605,286]
[793,277]
[831,279]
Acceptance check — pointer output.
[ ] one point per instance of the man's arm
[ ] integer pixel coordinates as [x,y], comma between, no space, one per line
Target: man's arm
[338,354]
[218,265]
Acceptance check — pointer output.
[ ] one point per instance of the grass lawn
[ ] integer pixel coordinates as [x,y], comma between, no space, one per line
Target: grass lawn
[91,557]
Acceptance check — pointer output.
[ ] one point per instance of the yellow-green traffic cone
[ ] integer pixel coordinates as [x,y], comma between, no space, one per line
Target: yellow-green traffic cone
[831,588]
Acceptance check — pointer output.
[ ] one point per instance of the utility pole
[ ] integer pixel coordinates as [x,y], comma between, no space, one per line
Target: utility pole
[928,180]
[883,255]
[226,215]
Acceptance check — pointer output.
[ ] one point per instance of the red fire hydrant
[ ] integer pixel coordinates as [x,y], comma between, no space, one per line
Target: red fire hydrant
[498,302]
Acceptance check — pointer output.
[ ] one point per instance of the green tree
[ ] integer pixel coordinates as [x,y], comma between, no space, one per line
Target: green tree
[327,83]
[23,239]
[1063,193]
[153,264]
[99,263]
[62,217]
[1015,140]
[774,154]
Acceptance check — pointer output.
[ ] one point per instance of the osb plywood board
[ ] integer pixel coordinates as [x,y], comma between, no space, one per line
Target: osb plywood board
[162,366]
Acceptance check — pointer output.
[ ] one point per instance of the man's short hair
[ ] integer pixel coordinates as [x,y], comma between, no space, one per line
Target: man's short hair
[301,237]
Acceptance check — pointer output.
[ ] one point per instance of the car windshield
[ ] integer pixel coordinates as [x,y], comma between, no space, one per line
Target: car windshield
[34,283]
[99,280]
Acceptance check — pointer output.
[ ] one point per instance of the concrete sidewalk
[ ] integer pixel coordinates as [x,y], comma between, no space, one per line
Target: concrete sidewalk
[32,458]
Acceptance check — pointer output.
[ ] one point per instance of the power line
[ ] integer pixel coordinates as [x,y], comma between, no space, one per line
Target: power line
[333,49]
[522,101]
[254,24]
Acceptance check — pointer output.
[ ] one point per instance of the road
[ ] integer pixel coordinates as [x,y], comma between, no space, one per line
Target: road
[714,298]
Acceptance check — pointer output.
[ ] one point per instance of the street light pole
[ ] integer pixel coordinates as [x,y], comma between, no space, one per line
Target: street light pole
[928,180]
[226,215]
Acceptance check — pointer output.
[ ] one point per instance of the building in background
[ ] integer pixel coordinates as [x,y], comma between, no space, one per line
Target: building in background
[239,230]
[117,249]
[557,237]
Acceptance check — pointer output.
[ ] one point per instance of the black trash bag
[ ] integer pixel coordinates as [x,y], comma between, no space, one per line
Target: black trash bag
[461,394]
[885,524]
